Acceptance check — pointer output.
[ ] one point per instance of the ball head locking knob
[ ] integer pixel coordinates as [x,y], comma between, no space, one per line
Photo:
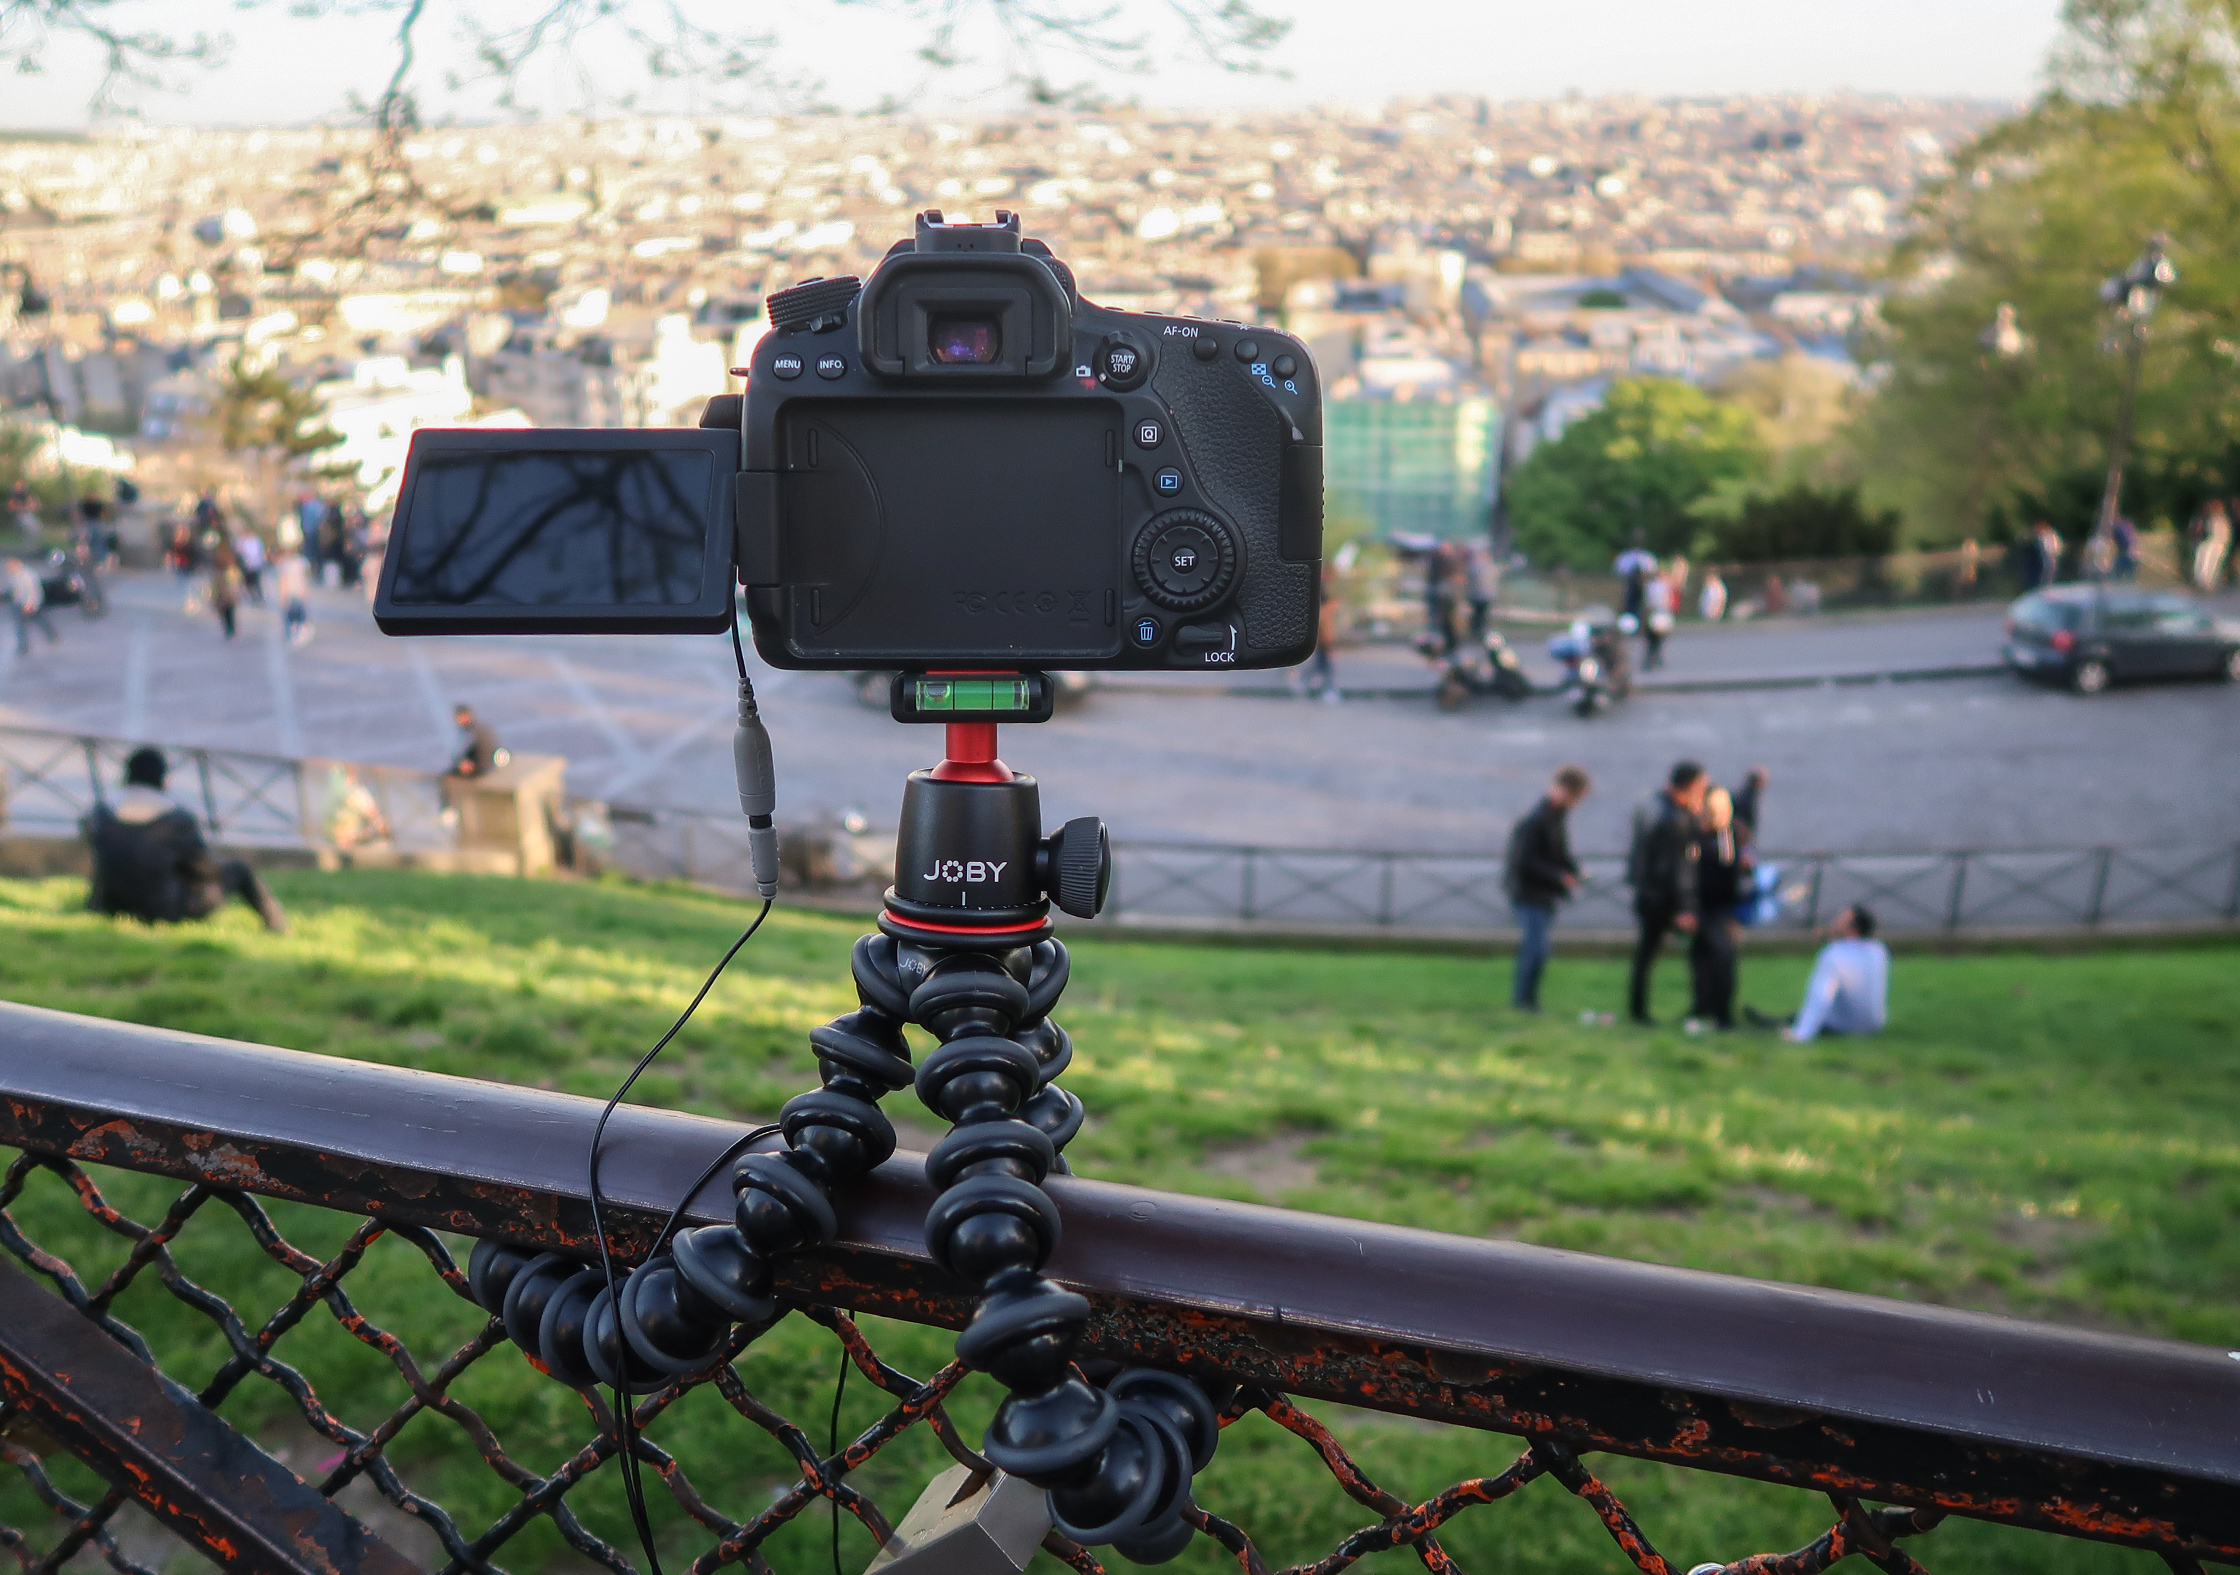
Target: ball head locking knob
[818,305]
[1078,869]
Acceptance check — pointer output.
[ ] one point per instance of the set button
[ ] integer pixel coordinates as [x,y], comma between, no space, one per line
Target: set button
[1185,560]
[787,364]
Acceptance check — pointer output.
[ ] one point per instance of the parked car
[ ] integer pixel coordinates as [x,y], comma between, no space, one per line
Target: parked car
[2089,636]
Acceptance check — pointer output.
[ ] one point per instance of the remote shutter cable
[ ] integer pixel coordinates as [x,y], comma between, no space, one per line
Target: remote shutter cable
[758,800]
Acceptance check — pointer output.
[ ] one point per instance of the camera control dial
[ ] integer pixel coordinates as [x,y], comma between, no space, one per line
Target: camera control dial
[1185,560]
[819,305]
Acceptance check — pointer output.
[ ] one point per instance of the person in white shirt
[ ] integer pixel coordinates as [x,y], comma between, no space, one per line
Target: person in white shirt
[248,555]
[27,596]
[292,583]
[1849,992]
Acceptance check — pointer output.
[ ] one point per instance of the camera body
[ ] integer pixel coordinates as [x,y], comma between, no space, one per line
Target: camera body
[956,466]
[963,465]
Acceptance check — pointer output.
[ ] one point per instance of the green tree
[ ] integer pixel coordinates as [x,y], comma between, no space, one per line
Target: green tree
[261,413]
[1643,462]
[2139,133]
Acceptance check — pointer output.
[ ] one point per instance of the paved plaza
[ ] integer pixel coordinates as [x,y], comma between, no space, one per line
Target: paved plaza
[1979,762]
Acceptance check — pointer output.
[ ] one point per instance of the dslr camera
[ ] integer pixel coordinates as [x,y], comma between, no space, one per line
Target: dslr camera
[956,464]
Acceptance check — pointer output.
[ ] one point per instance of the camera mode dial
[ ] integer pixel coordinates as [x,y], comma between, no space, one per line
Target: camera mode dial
[819,305]
[1185,560]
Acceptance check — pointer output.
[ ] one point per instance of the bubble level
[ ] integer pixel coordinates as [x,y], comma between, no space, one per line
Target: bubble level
[971,694]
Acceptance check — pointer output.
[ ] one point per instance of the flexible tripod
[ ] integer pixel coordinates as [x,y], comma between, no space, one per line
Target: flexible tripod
[964,951]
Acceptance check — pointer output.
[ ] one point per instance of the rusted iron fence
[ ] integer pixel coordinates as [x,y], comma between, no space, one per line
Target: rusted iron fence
[1901,1415]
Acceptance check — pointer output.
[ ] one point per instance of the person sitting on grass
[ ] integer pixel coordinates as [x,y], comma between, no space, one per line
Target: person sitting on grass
[1849,991]
[150,861]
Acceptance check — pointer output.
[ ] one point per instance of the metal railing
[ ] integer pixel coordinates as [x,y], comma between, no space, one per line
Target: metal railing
[1925,1411]
[1943,892]
[51,779]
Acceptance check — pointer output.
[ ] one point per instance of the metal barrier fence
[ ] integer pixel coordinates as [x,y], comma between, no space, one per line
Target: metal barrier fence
[1923,1411]
[50,779]
[1944,892]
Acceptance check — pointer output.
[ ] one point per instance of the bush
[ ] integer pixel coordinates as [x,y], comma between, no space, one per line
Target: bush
[1802,522]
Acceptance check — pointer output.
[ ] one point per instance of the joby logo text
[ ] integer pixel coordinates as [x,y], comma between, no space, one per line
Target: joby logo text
[967,872]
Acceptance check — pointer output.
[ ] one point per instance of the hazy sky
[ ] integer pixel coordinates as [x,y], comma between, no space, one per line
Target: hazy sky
[284,69]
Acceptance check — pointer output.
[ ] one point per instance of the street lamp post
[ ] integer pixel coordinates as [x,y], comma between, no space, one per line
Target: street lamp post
[2132,295]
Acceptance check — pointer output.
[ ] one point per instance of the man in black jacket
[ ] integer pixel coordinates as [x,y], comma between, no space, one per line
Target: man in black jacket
[1539,873]
[1661,869]
[149,859]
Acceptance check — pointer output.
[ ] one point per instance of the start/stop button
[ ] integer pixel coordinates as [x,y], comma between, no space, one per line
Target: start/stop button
[1122,363]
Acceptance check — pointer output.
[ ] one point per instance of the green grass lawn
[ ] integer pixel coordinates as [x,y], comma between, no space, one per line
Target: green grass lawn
[2049,1136]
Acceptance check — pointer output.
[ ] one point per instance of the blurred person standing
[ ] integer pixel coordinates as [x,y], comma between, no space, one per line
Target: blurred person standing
[311,522]
[1633,568]
[225,586]
[1722,886]
[1711,604]
[1538,873]
[181,556]
[1481,585]
[28,598]
[2211,535]
[1658,599]
[1321,672]
[1661,869]
[291,583]
[1747,798]
[2045,564]
[2125,568]
[23,506]
[248,556]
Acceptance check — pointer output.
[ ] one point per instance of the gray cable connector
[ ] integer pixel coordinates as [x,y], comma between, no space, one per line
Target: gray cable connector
[758,791]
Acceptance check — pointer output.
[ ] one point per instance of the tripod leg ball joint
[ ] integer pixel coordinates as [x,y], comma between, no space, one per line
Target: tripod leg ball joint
[977,967]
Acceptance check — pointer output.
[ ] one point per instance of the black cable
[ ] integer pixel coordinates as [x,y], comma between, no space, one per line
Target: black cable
[738,651]
[832,1451]
[625,1424]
